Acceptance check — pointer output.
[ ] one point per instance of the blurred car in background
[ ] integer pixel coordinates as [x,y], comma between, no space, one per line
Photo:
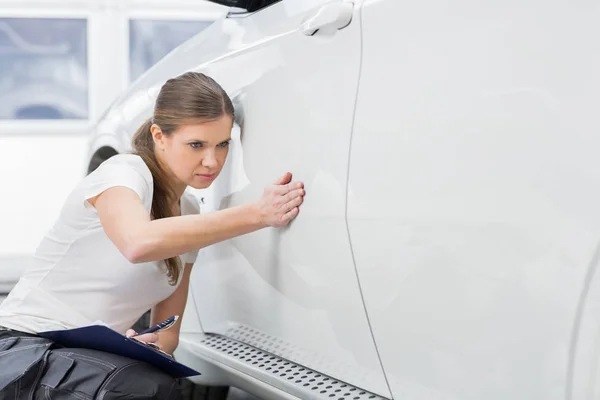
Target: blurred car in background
[448,243]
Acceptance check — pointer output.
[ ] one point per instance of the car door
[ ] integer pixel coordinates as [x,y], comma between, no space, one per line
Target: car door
[292,291]
[473,197]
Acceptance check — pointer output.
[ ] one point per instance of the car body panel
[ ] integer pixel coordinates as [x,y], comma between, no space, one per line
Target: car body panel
[473,197]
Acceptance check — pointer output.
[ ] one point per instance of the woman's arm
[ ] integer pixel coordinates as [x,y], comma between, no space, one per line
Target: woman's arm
[128,225]
[172,305]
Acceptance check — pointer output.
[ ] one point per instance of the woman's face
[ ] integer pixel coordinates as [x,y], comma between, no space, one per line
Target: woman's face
[194,154]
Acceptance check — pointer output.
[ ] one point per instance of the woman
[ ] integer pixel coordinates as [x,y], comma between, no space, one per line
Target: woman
[125,242]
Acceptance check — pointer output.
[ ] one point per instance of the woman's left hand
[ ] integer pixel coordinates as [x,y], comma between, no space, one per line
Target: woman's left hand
[149,339]
[145,338]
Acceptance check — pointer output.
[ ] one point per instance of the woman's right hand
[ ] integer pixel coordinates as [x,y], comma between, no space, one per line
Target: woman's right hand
[280,201]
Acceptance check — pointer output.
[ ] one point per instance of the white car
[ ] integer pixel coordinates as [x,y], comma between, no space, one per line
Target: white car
[448,243]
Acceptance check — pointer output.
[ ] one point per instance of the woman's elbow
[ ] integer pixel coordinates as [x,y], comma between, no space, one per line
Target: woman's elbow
[136,253]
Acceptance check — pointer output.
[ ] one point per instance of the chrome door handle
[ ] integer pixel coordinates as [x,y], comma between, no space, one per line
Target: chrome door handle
[331,17]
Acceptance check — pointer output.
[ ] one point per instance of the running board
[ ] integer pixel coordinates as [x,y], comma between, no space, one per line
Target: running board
[285,375]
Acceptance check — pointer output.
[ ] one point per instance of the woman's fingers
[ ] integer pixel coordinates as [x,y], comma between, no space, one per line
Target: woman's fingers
[145,338]
[294,194]
[279,199]
[284,189]
[290,210]
[290,215]
[294,202]
[285,179]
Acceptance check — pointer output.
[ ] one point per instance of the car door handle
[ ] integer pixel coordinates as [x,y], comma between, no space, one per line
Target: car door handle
[329,18]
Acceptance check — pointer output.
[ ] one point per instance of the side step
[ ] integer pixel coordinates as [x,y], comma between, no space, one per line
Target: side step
[290,377]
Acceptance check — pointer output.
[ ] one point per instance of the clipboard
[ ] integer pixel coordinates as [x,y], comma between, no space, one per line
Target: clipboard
[102,338]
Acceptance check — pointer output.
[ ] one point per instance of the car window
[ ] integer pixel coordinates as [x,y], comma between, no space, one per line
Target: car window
[43,68]
[256,5]
[250,6]
[151,40]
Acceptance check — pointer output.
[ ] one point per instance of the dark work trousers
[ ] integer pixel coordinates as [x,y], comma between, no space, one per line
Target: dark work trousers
[34,368]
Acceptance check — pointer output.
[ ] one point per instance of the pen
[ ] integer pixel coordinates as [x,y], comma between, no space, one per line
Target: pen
[166,324]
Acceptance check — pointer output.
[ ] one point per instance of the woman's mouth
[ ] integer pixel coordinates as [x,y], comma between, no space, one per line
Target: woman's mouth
[207,177]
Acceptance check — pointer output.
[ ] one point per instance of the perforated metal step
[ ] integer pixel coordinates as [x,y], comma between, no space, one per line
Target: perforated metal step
[312,384]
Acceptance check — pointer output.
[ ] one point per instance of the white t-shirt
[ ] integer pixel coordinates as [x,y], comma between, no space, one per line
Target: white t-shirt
[78,276]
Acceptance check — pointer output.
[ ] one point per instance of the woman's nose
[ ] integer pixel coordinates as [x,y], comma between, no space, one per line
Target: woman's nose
[209,160]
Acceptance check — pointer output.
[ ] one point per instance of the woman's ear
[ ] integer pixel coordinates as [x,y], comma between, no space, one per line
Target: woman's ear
[158,137]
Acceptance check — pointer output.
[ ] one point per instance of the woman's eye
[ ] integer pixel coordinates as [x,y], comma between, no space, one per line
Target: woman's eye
[224,144]
[196,145]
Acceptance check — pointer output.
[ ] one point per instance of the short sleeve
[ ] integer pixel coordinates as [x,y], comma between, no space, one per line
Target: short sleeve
[125,170]
[189,206]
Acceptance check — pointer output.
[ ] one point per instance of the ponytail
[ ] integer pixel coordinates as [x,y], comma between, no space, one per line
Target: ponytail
[143,146]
